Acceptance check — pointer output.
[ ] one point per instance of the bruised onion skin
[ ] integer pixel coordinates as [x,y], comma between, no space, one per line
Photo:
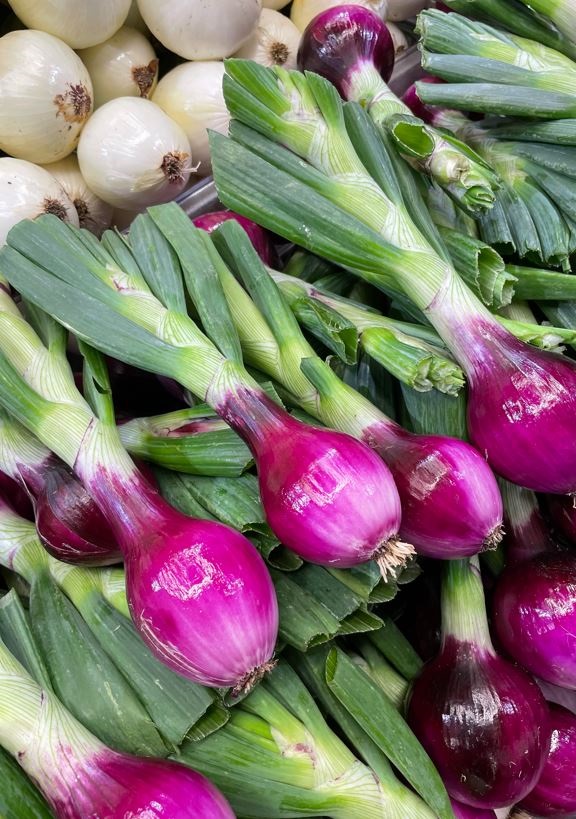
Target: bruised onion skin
[451,504]
[257,235]
[466,812]
[327,496]
[483,722]
[534,616]
[343,41]
[555,793]
[199,593]
[562,514]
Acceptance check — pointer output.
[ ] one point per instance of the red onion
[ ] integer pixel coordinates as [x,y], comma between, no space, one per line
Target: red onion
[259,237]
[527,534]
[482,720]
[415,104]
[351,47]
[466,812]
[451,504]
[13,493]
[326,495]
[198,591]
[555,793]
[534,610]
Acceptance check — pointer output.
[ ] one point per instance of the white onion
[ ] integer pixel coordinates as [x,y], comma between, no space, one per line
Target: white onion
[132,154]
[201,29]
[398,38]
[93,214]
[123,66]
[399,10]
[79,23]
[135,20]
[303,11]
[26,191]
[274,4]
[191,94]
[45,96]
[275,41]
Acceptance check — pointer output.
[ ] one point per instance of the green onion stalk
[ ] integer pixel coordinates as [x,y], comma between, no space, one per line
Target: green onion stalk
[352,49]
[561,12]
[96,662]
[511,15]
[129,300]
[491,71]
[262,313]
[329,204]
[278,758]
[19,797]
[155,539]
[78,774]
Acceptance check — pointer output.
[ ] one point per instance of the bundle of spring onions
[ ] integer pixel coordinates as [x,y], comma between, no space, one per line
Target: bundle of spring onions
[287,524]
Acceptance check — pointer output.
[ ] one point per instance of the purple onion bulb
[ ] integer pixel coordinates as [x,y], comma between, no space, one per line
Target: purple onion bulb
[451,504]
[534,616]
[259,237]
[562,513]
[555,792]
[327,496]
[466,812]
[427,113]
[345,42]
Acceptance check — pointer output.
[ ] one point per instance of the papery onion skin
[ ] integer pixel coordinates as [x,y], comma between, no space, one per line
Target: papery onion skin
[451,504]
[46,97]
[302,12]
[27,191]
[201,31]
[191,95]
[555,793]
[93,214]
[199,593]
[534,616]
[79,23]
[275,41]
[257,235]
[483,722]
[326,495]
[125,65]
[341,42]
[132,154]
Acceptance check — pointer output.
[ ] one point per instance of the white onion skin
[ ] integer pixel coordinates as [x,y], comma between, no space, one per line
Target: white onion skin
[27,191]
[302,11]
[93,214]
[191,94]
[275,41]
[79,23]
[398,38]
[207,30]
[134,19]
[274,4]
[123,149]
[123,66]
[46,96]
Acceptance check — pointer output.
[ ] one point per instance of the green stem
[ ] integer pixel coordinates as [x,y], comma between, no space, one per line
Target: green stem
[463,605]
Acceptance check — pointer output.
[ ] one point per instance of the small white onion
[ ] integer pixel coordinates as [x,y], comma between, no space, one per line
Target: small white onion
[191,94]
[45,96]
[134,19]
[26,191]
[132,154]
[399,10]
[275,41]
[79,23]
[303,11]
[207,30]
[123,66]
[93,214]
[274,4]
[398,38]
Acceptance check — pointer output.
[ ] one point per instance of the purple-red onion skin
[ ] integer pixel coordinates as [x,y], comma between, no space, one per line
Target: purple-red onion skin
[466,812]
[258,236]
[562,514]
[415,104]
[534,616]
[109,785]
[451,504]
[326,495]
[483,722]
[342,40]
[16,496]
[555,793]
[522,410]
